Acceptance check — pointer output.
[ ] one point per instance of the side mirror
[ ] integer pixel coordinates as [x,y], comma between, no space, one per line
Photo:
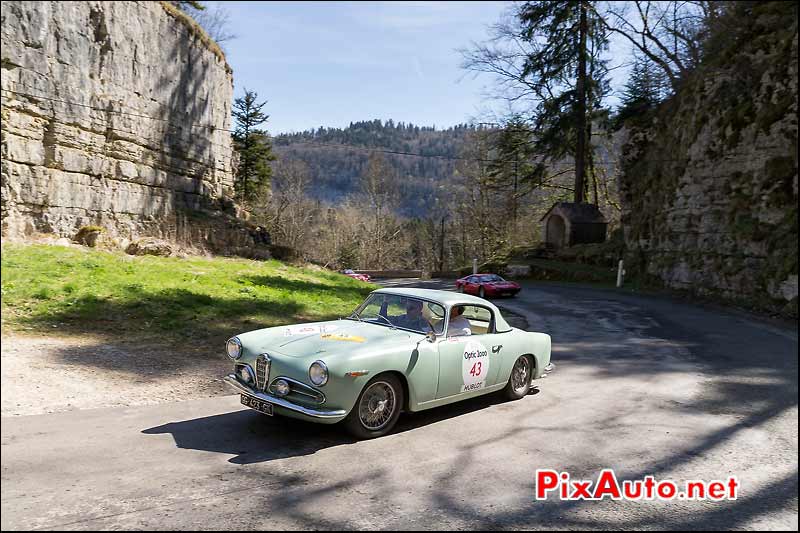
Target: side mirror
[431,336]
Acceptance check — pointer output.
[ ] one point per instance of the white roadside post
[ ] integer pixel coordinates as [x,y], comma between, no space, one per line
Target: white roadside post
[474,265]
[620,274]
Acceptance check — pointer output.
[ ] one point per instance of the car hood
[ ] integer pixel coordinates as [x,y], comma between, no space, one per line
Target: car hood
[325,338]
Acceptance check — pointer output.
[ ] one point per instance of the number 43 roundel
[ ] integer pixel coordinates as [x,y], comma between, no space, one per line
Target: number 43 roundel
[474,366]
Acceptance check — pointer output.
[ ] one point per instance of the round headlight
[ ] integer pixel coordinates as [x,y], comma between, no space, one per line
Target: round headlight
[245,375]
[318,373]
[234,348]
[281,387]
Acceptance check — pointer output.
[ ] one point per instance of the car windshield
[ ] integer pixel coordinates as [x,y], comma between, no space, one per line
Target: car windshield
[405,312]
[490,278]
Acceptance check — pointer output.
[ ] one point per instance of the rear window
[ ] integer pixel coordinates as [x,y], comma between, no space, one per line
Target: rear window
[480,319]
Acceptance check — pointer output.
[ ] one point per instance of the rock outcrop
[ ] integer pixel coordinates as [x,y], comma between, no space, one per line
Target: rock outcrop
[710,179]
[116,114]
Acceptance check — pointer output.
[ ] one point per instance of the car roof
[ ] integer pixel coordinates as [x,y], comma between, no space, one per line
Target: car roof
[449,299]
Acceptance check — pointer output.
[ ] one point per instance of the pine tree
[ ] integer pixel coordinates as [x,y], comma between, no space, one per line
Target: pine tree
[645,88]
[254,175]
[565,65]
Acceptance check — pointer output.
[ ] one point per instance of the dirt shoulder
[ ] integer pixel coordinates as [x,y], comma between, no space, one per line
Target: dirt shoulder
[54,373]
[49,374]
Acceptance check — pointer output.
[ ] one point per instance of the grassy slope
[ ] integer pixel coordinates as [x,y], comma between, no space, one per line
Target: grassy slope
[78,290]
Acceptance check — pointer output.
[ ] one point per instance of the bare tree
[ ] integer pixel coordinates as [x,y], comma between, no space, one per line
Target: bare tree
[669,33]
[379,185]
[481,208]
[504,55]
[215,19]
[289,212]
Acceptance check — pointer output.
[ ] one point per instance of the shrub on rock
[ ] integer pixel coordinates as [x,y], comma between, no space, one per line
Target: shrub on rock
[88,236]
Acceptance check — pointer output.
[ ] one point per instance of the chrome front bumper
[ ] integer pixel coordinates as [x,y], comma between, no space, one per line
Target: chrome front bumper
[240,387]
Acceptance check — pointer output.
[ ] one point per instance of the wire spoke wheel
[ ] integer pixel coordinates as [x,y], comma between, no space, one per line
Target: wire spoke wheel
[377,406]
[520,375]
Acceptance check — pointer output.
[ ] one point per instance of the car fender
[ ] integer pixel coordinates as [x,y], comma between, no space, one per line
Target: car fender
[415,364]
[535,344]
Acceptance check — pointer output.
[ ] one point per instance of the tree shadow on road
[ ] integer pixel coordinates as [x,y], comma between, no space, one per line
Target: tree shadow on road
[252,437]
[742,390]
[256,438]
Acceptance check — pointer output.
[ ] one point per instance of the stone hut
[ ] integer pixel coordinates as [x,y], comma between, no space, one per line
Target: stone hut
[569,223]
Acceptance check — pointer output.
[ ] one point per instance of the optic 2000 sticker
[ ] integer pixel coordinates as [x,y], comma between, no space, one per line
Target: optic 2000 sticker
[474,366]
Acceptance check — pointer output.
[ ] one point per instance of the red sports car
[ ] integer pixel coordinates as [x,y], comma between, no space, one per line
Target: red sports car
[354,275]
[487,285]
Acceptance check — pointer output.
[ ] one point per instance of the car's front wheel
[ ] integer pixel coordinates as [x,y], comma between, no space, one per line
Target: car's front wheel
[377,409]
[519,383]
[461,288]
[482,292]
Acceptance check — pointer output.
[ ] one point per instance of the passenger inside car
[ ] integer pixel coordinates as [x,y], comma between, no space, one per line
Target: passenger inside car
[458,325]
[480,319]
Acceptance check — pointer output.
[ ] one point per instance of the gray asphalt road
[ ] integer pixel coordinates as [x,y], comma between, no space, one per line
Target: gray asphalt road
[645,386]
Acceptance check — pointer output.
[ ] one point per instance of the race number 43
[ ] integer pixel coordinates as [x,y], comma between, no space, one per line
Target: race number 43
[476,369]
[474,366]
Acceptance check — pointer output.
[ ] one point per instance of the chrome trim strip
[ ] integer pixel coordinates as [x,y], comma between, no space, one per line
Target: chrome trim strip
[317,395]
[301,392]
[231,380]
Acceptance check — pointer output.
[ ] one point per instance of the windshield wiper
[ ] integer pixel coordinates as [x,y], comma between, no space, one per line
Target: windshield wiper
[354,315]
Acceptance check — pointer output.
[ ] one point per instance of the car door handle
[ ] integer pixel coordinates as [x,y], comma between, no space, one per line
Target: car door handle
[497,348]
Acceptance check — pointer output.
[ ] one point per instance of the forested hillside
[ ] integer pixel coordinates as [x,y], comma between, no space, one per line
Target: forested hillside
[337,158]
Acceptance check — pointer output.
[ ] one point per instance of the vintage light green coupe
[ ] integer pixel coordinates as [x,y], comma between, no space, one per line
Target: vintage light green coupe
[400,350]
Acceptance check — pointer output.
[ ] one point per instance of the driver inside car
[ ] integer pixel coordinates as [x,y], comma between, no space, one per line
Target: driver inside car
[413,318]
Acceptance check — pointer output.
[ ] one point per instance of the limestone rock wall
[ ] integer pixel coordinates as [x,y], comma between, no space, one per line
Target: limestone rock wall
[709,188]
[115,114]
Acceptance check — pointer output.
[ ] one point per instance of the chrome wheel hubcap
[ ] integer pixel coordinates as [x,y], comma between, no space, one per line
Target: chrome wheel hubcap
[377,406]
[519,376]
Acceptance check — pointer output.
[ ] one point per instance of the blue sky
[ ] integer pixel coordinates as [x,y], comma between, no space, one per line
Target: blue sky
[330,63]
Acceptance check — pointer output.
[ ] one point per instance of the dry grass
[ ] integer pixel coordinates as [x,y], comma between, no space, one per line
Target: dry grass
[197,31]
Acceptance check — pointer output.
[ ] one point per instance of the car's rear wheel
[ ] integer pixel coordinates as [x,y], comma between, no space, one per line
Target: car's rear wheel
[482,292]
[377,409]
[519,383]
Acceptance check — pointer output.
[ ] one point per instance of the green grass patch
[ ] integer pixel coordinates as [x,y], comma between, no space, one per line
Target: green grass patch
[78,290]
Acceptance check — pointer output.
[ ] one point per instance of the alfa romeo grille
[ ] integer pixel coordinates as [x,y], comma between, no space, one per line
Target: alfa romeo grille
[262,371]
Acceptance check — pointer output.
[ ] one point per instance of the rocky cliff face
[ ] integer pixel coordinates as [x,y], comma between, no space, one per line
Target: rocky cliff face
[710,179]
[115,114]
